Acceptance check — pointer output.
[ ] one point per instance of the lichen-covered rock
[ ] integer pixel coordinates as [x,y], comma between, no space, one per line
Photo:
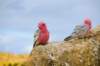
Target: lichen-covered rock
[76,52]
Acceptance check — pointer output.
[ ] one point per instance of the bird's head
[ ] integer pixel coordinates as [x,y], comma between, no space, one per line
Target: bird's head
[42,26]
[88,23]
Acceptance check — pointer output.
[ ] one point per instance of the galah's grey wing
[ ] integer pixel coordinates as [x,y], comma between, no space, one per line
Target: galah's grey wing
[79,32]
[36,35]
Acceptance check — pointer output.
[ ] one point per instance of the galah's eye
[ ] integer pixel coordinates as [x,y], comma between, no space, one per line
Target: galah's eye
[43,24]
[87,21]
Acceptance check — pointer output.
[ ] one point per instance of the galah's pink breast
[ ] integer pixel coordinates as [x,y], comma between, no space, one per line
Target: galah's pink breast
[43,38]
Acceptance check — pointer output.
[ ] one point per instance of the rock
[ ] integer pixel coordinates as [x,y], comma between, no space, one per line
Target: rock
[76,52]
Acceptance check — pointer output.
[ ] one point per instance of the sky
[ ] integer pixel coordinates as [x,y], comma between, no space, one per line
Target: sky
[19,20]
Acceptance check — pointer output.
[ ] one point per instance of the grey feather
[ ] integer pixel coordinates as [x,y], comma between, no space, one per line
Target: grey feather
[36,35]
[79,32]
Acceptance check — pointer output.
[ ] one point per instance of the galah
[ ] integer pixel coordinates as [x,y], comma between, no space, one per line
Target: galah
[81,31]
[41,35]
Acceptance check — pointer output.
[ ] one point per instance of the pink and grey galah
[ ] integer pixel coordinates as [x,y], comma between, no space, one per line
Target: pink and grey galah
[41,35]
[81,31]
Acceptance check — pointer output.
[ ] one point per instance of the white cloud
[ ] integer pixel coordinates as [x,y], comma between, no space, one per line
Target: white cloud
[5,39]
[12,37]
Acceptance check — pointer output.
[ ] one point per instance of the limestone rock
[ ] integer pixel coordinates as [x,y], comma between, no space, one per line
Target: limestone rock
[76,52]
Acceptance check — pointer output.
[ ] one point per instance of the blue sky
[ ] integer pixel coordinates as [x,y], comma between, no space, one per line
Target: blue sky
[19,19]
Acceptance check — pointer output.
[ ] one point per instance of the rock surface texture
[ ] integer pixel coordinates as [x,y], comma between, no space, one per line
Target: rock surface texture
[75,52]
